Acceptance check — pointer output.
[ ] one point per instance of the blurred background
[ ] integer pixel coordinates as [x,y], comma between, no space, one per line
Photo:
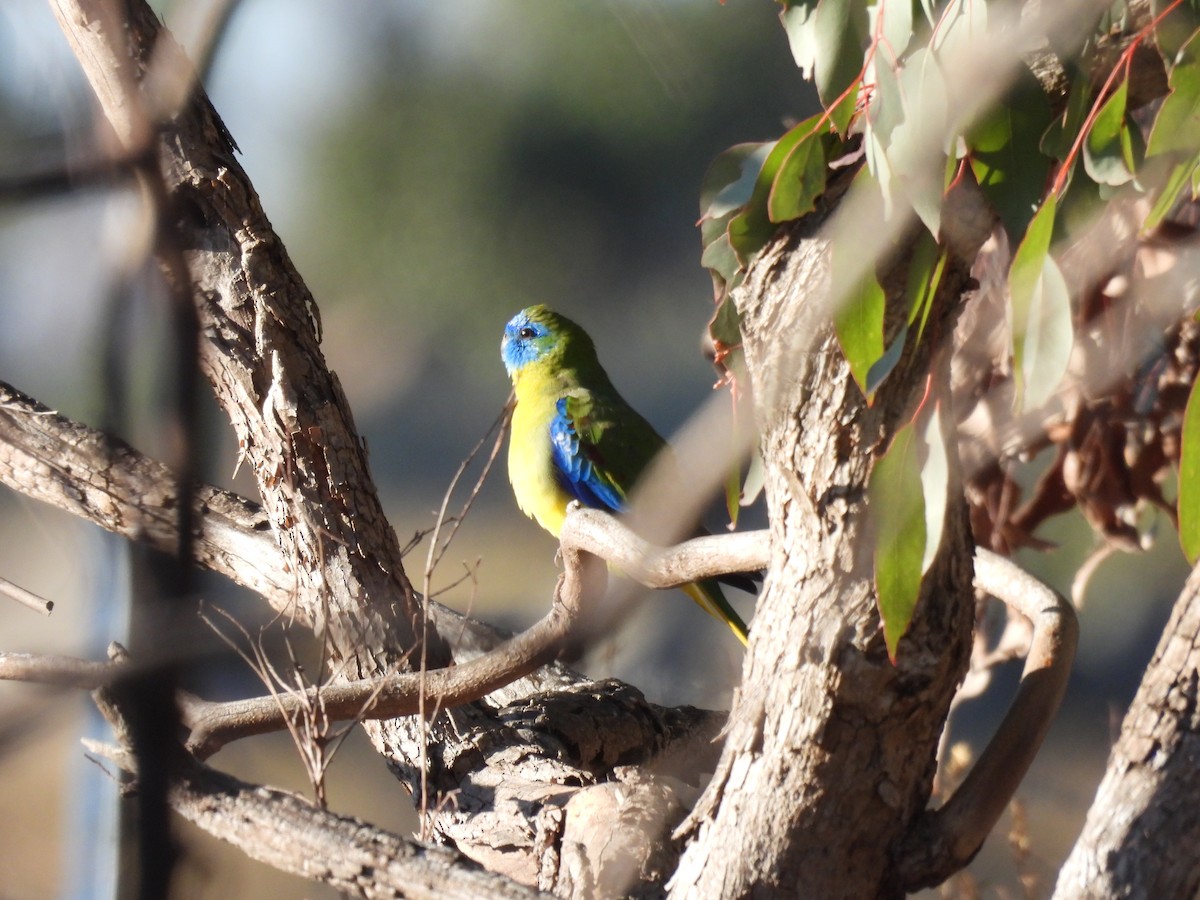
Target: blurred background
[433,168]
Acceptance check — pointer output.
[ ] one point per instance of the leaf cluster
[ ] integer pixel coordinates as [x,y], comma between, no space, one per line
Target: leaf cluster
[1067,139]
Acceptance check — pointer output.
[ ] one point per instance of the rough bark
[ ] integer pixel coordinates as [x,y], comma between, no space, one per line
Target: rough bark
[1152,781]
[831,749]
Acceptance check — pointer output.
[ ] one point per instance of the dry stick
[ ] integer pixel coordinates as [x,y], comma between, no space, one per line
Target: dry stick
[944,840]
[26,598]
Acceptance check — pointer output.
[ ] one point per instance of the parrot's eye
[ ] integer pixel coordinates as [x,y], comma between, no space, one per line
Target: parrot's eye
[527,333]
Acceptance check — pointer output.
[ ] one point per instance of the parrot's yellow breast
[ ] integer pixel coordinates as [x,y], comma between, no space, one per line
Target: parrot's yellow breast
[530,465]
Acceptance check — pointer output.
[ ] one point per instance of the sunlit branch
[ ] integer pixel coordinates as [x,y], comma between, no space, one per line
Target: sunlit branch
[944,840]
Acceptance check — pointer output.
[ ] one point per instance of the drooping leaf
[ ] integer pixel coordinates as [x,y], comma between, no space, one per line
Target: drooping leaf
[1041,311]
[896,506]
[725,328]
[1176,128]
[719,257]
[1176,28]
[1189,478]
[800,25]
[841,34]
[1106,149]
[1004,147]
[1060,135]
[897,30]
[915,149]
[962,25]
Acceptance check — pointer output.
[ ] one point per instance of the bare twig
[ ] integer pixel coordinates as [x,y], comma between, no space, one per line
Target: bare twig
[65,671]
[26,598]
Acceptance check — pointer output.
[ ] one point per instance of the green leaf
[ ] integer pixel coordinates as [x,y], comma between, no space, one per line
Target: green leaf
[725,328]
[1041,311]
[1176,128]
[925,269]
[860,301]
[751,228]
[914,149]
[719,257]
[897,29]
[841,33]
[1178,177]
[896,506]
[1060,136]
[729,181]
[961,26]
[1189,478]
[1176,29]
[886,364]
[801,180]
[1106,147]
[1004,147]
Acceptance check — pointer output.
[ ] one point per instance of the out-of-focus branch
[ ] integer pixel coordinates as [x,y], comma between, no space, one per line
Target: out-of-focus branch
[63,671]
[26,598]
[944,840]
[81,470]
[283,830]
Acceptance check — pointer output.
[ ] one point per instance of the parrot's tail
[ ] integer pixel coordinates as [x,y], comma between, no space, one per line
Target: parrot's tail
[708,595]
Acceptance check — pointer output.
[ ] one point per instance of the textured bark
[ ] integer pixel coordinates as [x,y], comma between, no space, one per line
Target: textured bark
[831,749]
[1143,828]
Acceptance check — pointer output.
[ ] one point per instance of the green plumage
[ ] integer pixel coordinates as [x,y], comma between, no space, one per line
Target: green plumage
[573,436]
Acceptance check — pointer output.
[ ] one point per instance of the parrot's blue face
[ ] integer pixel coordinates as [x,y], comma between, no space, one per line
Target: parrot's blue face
[525,340]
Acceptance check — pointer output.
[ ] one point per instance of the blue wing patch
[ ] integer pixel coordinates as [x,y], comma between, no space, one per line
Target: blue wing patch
[578,466]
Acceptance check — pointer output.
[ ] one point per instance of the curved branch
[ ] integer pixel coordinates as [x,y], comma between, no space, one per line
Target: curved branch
[944,840]
[599,533]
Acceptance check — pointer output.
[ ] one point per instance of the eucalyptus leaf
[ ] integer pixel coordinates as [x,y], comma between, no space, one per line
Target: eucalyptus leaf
[896,507]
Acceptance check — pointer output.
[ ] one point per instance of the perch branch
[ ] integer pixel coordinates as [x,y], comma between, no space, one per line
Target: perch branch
[944,840]
[215,724]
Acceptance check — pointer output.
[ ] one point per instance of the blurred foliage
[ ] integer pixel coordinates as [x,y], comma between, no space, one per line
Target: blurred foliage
[552,153]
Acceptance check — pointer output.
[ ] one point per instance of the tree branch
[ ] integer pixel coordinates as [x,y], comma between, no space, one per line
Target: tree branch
[944,840]
[283,830]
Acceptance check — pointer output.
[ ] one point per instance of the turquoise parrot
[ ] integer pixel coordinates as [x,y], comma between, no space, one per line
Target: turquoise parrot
[574,437]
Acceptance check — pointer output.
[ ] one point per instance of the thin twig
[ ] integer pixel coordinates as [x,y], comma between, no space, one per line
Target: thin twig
[26,598]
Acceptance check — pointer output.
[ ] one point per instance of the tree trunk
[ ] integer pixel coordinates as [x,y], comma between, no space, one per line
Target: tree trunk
[831,751]
[1152,781]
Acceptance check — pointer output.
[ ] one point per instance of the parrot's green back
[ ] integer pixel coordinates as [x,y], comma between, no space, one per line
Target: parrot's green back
[573,436]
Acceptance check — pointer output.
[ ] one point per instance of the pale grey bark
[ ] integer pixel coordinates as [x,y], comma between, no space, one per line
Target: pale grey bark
[1143,830]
